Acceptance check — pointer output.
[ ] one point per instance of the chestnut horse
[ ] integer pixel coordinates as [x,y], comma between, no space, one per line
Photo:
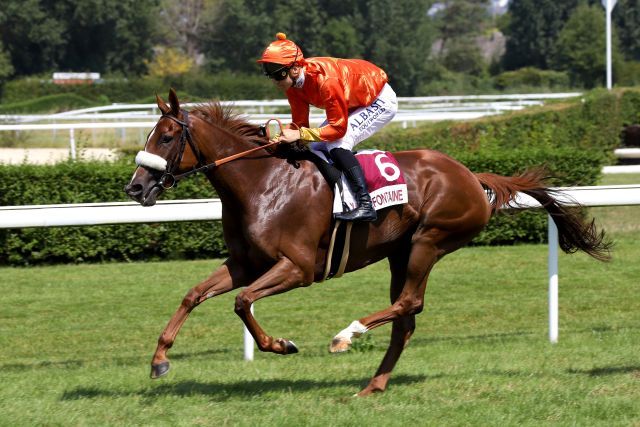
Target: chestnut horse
[276,242]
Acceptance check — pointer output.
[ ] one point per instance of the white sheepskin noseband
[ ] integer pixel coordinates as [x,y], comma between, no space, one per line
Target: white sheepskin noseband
[151,161]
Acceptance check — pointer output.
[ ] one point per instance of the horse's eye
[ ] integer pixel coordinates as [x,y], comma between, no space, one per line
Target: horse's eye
[165,139]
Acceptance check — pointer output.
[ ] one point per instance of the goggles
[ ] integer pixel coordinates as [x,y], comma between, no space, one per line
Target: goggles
[277,72]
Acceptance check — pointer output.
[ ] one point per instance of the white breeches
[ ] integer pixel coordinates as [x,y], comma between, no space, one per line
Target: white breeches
[364,122]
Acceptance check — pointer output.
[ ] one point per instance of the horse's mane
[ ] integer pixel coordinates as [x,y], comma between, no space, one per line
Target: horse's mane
[224,117]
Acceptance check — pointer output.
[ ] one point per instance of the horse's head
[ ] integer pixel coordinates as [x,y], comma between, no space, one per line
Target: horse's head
[168,152]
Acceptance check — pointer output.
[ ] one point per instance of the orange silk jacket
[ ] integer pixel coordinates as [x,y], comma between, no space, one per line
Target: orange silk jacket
[337,86]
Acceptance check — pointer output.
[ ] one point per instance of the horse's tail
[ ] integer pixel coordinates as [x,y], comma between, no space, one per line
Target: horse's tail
[574,234]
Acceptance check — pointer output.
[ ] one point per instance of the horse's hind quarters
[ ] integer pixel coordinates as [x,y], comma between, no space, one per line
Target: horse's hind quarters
[160,369]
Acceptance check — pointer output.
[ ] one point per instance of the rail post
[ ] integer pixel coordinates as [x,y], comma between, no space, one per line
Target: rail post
[248,342]
[553,281]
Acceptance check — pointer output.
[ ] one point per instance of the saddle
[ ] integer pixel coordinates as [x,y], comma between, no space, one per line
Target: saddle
[385,182]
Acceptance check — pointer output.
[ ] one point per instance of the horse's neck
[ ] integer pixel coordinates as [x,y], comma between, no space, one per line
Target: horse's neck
[238,180]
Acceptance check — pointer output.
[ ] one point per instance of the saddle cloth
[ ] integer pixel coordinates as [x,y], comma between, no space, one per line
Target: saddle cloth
[384,178]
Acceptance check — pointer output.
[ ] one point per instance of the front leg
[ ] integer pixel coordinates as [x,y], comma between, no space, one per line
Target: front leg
[222,280]
[283,276]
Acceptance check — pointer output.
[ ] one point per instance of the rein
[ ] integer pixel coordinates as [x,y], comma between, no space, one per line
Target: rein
[169,179]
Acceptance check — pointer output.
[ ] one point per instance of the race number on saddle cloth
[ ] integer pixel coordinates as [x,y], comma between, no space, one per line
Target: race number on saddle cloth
[384,178]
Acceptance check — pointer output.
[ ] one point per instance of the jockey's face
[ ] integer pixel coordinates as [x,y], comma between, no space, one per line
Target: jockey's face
[287,82]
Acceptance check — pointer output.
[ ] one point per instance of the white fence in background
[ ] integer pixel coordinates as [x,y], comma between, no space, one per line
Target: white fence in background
[402,117]
[627,153]
[211,209]
[624,153]
[144,116]
[439,103]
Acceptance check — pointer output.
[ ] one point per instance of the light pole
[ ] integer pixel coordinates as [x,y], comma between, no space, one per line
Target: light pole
[608,7]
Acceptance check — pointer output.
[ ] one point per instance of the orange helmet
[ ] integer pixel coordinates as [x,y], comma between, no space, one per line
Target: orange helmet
[282,51]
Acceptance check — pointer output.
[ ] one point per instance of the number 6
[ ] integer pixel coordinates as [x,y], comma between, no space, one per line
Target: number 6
[383,166]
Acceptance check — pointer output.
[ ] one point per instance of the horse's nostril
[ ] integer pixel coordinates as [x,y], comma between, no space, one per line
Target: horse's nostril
[133,189]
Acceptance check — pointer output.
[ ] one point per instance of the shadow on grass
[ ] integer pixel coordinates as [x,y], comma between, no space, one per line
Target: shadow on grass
[607,370]
[111,360]
[225,391]
[47,364]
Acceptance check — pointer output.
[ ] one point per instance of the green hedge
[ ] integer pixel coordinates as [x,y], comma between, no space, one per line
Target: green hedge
[591,122]
[573,140]
[47,104]
[191,87]
[98,182]
[532,77]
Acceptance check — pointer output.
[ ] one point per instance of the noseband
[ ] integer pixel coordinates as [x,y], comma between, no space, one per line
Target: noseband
[169,179]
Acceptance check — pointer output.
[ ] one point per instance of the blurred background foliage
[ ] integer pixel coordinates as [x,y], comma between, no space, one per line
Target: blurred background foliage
[208,48]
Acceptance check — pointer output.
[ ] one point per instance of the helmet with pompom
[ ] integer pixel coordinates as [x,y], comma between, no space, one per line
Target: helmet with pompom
[282,51]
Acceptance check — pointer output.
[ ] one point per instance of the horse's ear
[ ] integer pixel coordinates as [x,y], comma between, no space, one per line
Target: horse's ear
[162,105]
[173,101]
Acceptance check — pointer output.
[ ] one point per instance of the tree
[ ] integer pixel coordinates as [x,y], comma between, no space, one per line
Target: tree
[79,35]
[581,45]
[398,38]
[460,19]
[187,20]
[107,36]
[33,34]
[170,62]
[459,23]
[6,69]
[232,41]
[626,18]
[341,38]
[533,27]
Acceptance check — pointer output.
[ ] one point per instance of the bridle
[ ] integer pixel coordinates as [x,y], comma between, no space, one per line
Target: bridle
[169,179]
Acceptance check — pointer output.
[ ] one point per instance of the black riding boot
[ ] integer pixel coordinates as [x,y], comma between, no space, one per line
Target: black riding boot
[364,211]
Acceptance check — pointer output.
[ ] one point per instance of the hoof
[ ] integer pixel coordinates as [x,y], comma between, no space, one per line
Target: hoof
[291,348]
[288,347]
[160,369]
[367,392]
[339,345]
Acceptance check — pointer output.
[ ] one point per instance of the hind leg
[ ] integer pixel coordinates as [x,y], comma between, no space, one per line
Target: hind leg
[427,247]
[409,300]
[419,260]
[401,331]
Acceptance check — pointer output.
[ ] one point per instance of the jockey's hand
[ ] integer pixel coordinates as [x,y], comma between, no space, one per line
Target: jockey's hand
[288,135]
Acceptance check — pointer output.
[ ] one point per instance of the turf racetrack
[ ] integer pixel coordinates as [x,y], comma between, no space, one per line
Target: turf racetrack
[76,343]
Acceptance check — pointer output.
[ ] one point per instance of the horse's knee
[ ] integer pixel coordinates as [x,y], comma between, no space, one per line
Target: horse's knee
[408,306]
[417,308]
[190,300]
[243,302]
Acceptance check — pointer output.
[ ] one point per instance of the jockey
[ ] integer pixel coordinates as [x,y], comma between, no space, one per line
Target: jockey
[358,103]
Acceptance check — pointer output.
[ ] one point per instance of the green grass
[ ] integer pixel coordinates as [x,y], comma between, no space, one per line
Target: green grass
[77,340]
[618,220]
